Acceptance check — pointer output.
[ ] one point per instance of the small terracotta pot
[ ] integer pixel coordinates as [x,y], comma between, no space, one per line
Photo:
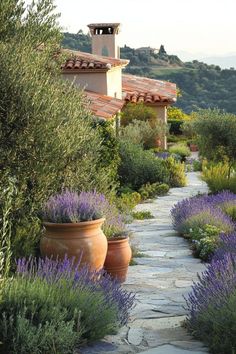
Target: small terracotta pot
[193,147]
[118,257]
[84,240]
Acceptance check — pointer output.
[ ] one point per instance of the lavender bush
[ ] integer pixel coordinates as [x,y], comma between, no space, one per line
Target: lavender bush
[212,302]
[202,219]
[51,306]
[201,210]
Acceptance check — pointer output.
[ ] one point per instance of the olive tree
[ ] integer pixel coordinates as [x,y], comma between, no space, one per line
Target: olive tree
[47,139]
[216,131]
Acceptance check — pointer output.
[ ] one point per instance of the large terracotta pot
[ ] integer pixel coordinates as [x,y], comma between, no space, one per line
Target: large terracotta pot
[83,240]
[118,258]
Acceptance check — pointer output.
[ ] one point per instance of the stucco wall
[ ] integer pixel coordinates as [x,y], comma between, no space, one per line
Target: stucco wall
[96,82]
[106,83]
[114,82]
[162,115]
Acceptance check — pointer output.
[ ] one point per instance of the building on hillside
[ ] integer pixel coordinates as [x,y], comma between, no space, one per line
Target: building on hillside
[107,88]
[147,50]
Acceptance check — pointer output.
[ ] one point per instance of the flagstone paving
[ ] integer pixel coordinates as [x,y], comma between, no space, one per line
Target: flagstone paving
[160,279]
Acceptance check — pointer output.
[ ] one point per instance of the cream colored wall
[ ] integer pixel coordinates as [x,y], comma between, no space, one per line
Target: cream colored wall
[106,83]
[108,40]
[114,83]
[162,115]
[96,82]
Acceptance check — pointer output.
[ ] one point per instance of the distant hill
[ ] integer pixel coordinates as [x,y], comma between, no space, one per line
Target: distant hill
[201,85]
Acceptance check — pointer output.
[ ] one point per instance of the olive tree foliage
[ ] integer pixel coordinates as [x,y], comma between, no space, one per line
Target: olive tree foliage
[46,137]
[216,131]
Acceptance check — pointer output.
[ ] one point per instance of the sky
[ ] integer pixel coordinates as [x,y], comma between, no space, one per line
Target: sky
[187,27]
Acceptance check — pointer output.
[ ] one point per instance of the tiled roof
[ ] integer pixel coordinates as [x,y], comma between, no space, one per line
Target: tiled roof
[104,106]
[80,61]
[141,89]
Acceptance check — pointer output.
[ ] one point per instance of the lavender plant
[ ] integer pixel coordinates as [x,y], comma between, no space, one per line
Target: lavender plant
[227,245]
[71,207]
[203,218]
[51,306]
[201,210]
[212,303]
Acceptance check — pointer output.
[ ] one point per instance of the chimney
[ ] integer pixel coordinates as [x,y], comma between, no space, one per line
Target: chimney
[104,39]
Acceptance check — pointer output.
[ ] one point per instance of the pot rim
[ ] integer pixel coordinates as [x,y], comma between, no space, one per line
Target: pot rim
[118,239]
[73,224]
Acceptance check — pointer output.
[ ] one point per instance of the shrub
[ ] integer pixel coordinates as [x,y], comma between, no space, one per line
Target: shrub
[197,165]
[51,306]
[187,129]
[173,138]
[127,201]
[177,177]
[209,215]
[142,215]
[143,133]
[211,305]
[175,126]
[205,241]
[218,177]
[152,190]
[109,148]
[175,113]
[216,132]
[139,167]
[8,195]
[181,150]
[137,111]
[199,211]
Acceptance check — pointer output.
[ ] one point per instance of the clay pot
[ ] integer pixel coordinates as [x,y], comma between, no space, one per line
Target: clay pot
[193,147]
[83,240]
[118,258]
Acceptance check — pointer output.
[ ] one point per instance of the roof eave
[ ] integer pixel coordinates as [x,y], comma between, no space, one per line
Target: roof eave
[81,71]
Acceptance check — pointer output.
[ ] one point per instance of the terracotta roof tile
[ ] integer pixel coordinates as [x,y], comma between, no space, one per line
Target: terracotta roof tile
[104,106]
[141,89]
[86,61]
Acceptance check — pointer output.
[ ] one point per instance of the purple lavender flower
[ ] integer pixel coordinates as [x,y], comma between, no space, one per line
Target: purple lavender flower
[227,245]
[162,155]
[70,207]
[215,286]
[78,278]
[201,210]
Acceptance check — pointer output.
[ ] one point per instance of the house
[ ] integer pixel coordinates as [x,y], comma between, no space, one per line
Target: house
[147,50]
[106,86]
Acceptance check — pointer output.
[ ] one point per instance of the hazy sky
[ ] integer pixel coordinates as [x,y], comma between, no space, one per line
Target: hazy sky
[195,26]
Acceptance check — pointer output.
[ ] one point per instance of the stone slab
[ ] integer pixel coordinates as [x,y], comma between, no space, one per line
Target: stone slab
[170,349]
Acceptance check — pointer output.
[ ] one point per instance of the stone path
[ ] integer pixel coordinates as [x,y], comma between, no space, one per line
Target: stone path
[160,279]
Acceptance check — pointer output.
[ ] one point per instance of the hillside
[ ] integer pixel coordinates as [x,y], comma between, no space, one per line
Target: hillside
[201,85]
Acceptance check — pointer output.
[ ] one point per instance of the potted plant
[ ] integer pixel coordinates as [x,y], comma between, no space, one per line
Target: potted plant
[72,225]
[193,145]
[119,251]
